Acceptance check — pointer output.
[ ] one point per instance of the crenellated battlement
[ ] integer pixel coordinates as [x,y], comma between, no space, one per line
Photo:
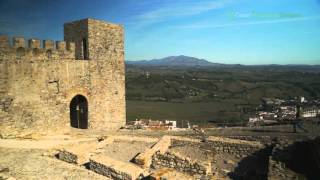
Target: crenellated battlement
[33,49]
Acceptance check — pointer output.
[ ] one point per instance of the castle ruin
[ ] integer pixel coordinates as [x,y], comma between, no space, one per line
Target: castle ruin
[79,82]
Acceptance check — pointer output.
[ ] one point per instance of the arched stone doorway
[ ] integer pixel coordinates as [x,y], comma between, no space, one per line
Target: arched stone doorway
[79,112]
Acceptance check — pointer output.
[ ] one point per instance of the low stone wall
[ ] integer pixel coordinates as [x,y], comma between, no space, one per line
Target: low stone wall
[68,157]
[262,139]
[78,154]
[145,159]
[173,160]
[114,169]
[234,141]
[238,148]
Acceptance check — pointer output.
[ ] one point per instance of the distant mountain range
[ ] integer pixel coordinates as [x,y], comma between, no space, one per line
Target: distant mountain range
[187,61]
[175,61]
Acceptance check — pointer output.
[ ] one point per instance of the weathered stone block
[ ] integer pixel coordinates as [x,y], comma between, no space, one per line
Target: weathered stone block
[34,43]
[69,157]
[71,46]
[48,44]
[113,168]
[61,45]
[4,41]
[18,42]
[145,159]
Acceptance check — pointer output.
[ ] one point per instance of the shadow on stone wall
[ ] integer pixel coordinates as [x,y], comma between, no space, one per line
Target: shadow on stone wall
[253,167]
[302,158]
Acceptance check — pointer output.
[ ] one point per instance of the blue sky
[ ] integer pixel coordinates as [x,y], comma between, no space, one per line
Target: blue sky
[223,31]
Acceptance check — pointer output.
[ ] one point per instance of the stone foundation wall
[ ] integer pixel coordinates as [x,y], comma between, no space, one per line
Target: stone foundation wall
[114,169]
[262,139]
[144,159]
[238,150]
[172,160]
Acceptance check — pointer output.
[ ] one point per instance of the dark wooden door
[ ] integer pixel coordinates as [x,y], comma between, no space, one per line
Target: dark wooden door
[79,112]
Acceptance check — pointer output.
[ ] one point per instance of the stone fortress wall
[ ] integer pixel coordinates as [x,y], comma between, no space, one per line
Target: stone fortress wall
[37,84]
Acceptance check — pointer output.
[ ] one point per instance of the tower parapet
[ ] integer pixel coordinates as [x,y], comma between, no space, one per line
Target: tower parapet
[50,50]
[96,39]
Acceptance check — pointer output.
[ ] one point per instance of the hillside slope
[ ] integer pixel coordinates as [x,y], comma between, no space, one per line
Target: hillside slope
[237,90]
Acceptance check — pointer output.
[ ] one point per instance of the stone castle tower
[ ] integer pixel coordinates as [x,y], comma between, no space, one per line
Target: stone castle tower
[79,82]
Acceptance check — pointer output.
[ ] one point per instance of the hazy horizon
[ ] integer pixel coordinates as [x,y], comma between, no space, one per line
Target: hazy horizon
[220,31]
[218,62]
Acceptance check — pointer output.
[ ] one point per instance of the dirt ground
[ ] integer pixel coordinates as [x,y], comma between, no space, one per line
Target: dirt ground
[33,157]
[36,158]
[228,165]
[35,164]
[193,152]
[125,150]
[224,164]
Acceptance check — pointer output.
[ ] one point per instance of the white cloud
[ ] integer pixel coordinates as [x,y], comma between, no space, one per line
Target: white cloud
[180,9]
[212,25]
